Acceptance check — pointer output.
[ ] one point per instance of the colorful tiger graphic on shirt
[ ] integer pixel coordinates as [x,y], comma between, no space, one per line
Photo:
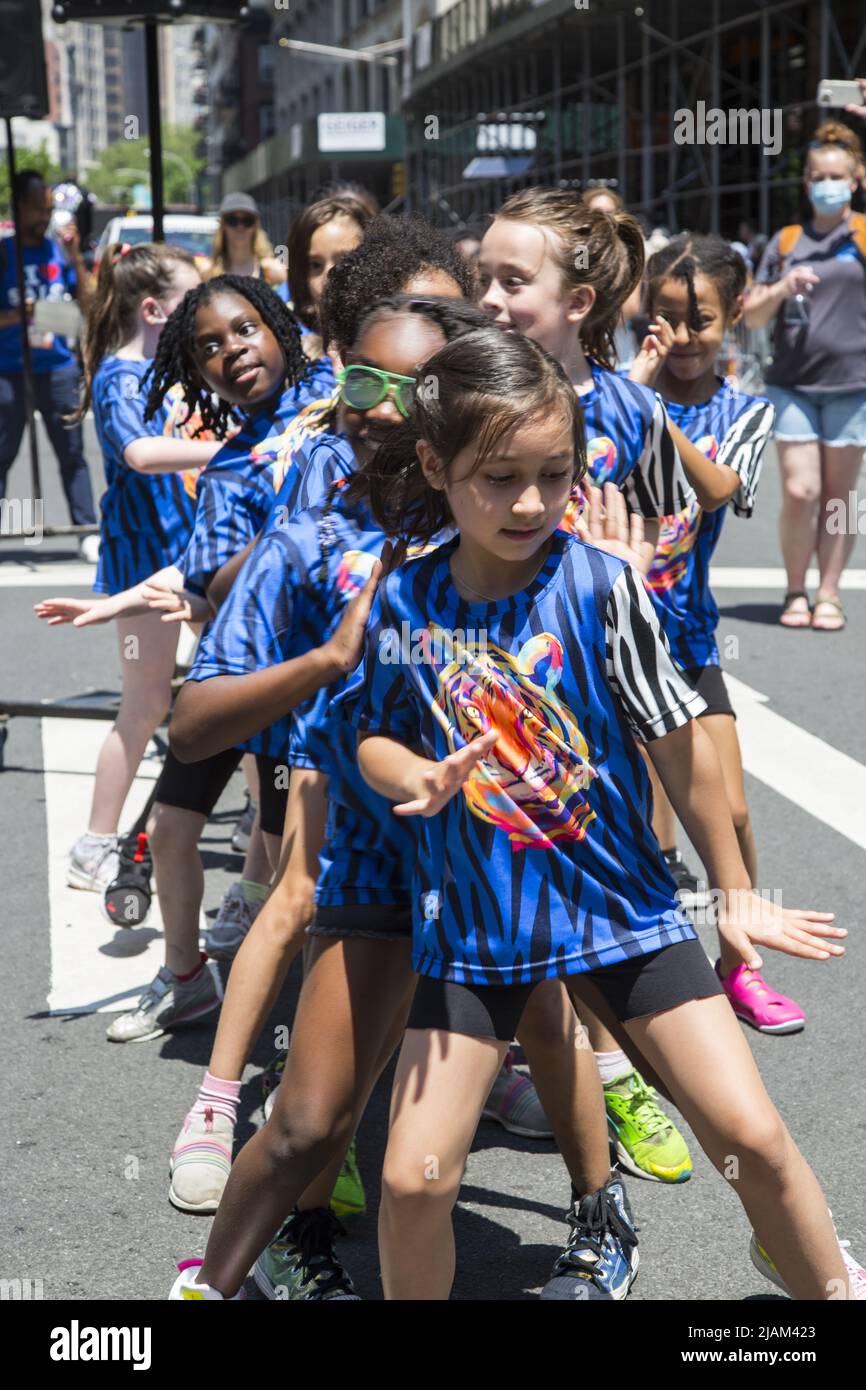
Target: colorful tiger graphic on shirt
[532,783]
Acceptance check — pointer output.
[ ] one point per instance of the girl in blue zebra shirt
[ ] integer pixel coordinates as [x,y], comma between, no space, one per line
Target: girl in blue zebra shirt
[536,858]
[146,512]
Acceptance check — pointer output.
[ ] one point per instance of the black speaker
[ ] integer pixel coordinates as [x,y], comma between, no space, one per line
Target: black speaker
[114,10]
[23,87]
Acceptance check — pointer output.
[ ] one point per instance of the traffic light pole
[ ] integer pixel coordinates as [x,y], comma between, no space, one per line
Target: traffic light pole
[26,359]
[154,121]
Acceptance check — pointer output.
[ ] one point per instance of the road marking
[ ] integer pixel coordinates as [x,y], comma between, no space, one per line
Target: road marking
[95,966]
[15,575]
[800,766]
[743,577]
[48,576]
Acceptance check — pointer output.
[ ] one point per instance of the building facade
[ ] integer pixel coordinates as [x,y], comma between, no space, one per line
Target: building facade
[506,93]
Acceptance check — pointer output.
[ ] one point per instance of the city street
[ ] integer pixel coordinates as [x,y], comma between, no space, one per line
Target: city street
[89,1125]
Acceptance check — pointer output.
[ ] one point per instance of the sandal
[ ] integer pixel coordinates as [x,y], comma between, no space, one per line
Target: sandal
[838,611]
[790,617]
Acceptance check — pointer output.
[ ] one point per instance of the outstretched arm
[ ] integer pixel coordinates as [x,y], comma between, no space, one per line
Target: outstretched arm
[689,768]
[224,710]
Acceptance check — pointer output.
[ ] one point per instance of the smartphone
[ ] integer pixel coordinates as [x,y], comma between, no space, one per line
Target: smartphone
[840,94]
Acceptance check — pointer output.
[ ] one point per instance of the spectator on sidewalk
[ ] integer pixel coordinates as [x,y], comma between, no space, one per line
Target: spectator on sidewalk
[52,273]
[812,284]
[241,245]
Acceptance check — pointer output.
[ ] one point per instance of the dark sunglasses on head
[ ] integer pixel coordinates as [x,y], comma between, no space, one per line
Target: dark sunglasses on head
[363,388]
[239,219]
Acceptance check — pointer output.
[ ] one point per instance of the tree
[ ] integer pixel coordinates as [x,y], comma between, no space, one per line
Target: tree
[127,162]
[38,159]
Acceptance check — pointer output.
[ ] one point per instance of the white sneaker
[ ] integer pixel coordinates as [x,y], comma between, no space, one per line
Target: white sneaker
[225,937]
[169,1003]
[93,863]
[88,549]
[186,1286]
[201,1161]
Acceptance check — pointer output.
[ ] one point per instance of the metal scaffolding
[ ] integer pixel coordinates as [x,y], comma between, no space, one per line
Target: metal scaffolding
[592,93]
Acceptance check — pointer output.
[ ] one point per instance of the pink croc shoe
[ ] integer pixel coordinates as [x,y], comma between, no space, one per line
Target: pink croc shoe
[756,1003]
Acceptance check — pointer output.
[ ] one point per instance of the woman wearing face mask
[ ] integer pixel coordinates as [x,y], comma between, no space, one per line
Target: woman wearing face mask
[812,281]
[241,245]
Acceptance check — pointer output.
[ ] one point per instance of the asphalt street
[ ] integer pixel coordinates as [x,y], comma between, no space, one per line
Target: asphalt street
[92,1224]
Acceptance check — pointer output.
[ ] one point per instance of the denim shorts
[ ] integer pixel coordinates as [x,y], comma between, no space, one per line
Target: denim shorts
[835,417]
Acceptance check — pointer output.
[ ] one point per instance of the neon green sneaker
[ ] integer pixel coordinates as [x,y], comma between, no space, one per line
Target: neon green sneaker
[648,1144]
[348,1197]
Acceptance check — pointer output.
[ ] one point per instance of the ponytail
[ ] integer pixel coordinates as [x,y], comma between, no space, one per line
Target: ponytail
[602,250]
[127,275]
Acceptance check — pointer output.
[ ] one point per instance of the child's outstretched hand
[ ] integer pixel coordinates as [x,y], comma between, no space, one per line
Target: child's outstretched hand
[653,351]
[748,920]
[440,781]
[607,523]
[176,605]
[81,612]
[345,646]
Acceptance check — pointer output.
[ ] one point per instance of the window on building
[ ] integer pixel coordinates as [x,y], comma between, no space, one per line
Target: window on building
[266,62]
[267,121]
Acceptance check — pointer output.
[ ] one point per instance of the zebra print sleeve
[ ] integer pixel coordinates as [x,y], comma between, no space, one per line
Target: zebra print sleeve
[658,486]
[742,449]
[655,695]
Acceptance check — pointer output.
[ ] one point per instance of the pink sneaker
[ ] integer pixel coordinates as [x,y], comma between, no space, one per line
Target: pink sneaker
[756,1003]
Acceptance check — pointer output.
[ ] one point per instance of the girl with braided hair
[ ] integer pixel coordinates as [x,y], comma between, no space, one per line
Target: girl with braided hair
[230,349]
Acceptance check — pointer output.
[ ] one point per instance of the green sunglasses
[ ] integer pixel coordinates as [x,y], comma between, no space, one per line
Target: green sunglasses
[363,388]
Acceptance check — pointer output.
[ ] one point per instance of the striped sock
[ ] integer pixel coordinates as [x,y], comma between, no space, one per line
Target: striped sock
[220,1096]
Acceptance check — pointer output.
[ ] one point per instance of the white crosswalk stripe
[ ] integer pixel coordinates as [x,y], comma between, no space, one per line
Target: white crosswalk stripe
[94,965]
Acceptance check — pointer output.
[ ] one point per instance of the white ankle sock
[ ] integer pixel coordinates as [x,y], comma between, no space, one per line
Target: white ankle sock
[612,1065]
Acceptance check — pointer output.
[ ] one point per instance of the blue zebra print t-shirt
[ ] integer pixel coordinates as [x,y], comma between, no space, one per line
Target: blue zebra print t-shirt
[545,863]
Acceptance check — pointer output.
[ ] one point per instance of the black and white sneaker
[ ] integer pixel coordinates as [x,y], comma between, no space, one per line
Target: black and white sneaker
[126,901]
[300,1265]
[600,1259]
[691,890]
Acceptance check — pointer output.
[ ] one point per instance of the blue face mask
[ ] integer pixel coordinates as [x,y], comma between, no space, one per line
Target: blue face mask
[829,195]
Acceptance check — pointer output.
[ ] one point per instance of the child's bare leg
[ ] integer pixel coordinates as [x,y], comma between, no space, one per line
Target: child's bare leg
[260,966]
[442,1082]
[700,1049]
[602,1023]
[568,1085]
[174,834]
[147,648]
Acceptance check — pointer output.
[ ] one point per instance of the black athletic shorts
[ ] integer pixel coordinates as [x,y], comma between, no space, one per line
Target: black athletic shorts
[373,922]
[198,786]
[710,685]
[633,988]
